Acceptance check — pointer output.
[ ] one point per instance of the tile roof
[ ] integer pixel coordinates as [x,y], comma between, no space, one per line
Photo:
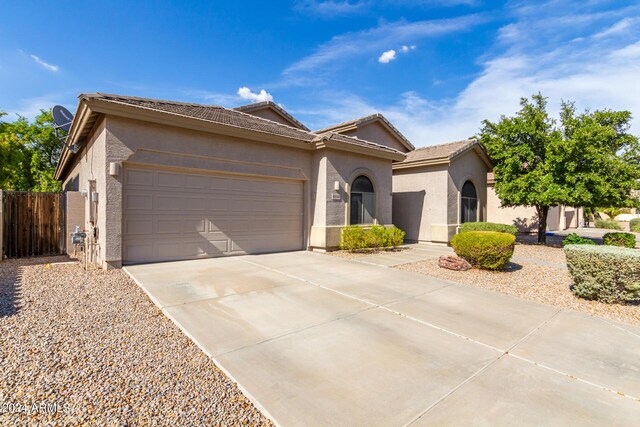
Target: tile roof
[209,113]
[233,117]
[447,151]
[367,119]
[270,104]
[333,136]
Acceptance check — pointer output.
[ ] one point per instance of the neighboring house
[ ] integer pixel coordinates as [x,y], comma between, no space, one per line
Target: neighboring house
[167,180]
[437,188]
[525,218]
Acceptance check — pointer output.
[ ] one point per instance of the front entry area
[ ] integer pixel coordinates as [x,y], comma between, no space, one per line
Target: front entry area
[172,215]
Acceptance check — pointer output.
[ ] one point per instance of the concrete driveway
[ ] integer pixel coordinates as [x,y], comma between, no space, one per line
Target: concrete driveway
[317,340]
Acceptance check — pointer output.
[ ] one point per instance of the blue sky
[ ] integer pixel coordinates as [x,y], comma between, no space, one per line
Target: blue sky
[435,68]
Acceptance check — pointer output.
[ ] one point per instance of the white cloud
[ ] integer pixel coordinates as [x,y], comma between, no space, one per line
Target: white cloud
[331,8]
[245,93]
[406,49]
[45,65]
[618,28]
[599,73]
[364,43]
[387,56]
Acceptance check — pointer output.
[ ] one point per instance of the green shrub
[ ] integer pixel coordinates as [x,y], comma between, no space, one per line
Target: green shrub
[396,236]
[488,226]
[376,237]
[625,240]
[634,225]
[574,239]
[604,273]
[490,250]
[353,238]
[356,238]
[608,224]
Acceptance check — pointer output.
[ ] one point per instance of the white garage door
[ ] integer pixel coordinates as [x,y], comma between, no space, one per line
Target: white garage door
[173,216]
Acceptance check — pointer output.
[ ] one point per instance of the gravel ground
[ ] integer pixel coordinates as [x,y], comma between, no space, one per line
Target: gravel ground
[366,252]
[93,343]
[530,278]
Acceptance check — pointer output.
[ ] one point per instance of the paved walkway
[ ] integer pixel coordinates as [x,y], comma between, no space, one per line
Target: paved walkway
[415,252]
[319,340]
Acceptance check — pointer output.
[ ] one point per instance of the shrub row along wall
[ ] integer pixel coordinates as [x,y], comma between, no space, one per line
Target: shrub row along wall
[355,237]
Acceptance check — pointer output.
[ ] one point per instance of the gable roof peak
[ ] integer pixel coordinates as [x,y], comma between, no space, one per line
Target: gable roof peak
[379,117]
[256,106]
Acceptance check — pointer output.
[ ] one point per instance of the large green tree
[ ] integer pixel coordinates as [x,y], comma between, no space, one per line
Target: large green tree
[29,153]
[589,159]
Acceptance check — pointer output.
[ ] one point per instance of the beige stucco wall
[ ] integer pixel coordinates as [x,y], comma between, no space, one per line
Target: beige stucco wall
[269,114]
[74,215]
[426,199]
[420,200]
[331,207]
[525,218]
[467,167]
[89,165]
[376,132]
[133,142]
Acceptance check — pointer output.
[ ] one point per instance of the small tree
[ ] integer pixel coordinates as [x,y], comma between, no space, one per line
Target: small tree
[590,160]
[29,153]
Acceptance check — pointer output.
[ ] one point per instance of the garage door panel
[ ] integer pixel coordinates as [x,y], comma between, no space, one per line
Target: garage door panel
[170,180]
[138,200]
[139,177]
[172,216]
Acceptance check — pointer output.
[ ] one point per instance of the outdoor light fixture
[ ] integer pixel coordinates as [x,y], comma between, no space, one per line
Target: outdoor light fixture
[114,168]
[83,193]
[336,186]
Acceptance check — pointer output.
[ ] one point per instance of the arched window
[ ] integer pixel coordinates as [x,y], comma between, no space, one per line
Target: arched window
[469,201]
[363,201]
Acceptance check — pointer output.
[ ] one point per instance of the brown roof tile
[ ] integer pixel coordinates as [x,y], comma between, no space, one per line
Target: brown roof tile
[333,136]
[447,151]
[233,117]
[270,104]
[367,119]
[210,113]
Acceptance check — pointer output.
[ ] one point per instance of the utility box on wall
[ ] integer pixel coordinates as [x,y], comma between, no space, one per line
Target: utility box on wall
[74,215]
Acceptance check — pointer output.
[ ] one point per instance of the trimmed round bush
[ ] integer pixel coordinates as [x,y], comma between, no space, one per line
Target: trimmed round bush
[624,240]
[608,224]
[604,273]
[488,226]
[489,250]
[634,225]
[574,239]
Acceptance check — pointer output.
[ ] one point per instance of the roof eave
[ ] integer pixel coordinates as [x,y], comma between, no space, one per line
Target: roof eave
[359,149]
[420,163]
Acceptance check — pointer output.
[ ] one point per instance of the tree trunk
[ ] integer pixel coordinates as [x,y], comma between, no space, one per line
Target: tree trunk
[542,211]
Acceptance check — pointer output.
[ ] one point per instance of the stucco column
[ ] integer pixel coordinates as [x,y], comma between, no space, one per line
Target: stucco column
[580,214]
[563,219]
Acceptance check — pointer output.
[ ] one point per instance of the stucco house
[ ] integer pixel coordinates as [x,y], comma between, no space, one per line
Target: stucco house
[166,180]
[163,180]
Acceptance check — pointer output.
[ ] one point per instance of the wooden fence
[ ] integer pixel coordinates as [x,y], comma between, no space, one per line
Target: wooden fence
[32,224]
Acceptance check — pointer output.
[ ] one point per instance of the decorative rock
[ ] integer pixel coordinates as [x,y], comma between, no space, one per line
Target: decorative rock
[453,263]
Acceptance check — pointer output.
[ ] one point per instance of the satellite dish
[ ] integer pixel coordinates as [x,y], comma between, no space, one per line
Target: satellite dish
[62,118]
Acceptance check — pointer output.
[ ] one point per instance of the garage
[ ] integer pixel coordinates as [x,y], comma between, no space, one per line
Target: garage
[175,215]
